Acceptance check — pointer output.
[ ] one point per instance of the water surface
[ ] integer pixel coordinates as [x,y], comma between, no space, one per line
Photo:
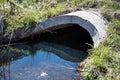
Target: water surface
[42,61]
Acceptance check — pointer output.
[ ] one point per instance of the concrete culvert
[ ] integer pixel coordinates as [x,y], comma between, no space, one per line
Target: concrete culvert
[87,26]
[89,20]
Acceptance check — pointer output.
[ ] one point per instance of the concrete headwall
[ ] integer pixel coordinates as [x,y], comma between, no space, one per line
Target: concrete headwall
[90,20]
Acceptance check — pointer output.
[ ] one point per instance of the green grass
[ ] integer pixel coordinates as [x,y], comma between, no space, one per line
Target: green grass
[30,12]
[105,60]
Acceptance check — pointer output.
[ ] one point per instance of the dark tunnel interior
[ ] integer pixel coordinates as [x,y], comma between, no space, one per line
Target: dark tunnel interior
[72,35]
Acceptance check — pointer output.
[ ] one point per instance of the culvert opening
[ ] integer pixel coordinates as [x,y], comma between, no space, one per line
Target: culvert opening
[71,35]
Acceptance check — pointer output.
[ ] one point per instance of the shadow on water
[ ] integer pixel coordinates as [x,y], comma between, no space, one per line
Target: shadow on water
[52,56]
[64,52]
[71,35]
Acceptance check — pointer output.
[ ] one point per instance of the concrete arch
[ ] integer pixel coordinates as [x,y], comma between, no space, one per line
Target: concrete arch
[90,20]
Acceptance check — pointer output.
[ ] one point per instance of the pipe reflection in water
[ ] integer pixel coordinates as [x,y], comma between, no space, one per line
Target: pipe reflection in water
[45,61]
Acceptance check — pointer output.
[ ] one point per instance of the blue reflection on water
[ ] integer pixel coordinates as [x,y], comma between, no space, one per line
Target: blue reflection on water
[43,66]
[45,61]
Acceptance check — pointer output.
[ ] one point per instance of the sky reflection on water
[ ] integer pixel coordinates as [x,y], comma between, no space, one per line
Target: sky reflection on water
[45,64]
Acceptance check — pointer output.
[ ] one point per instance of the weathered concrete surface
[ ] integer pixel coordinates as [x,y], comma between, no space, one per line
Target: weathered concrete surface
[90,20]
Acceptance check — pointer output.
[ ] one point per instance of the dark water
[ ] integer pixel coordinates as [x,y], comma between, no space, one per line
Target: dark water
[41,61]
[73,36]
